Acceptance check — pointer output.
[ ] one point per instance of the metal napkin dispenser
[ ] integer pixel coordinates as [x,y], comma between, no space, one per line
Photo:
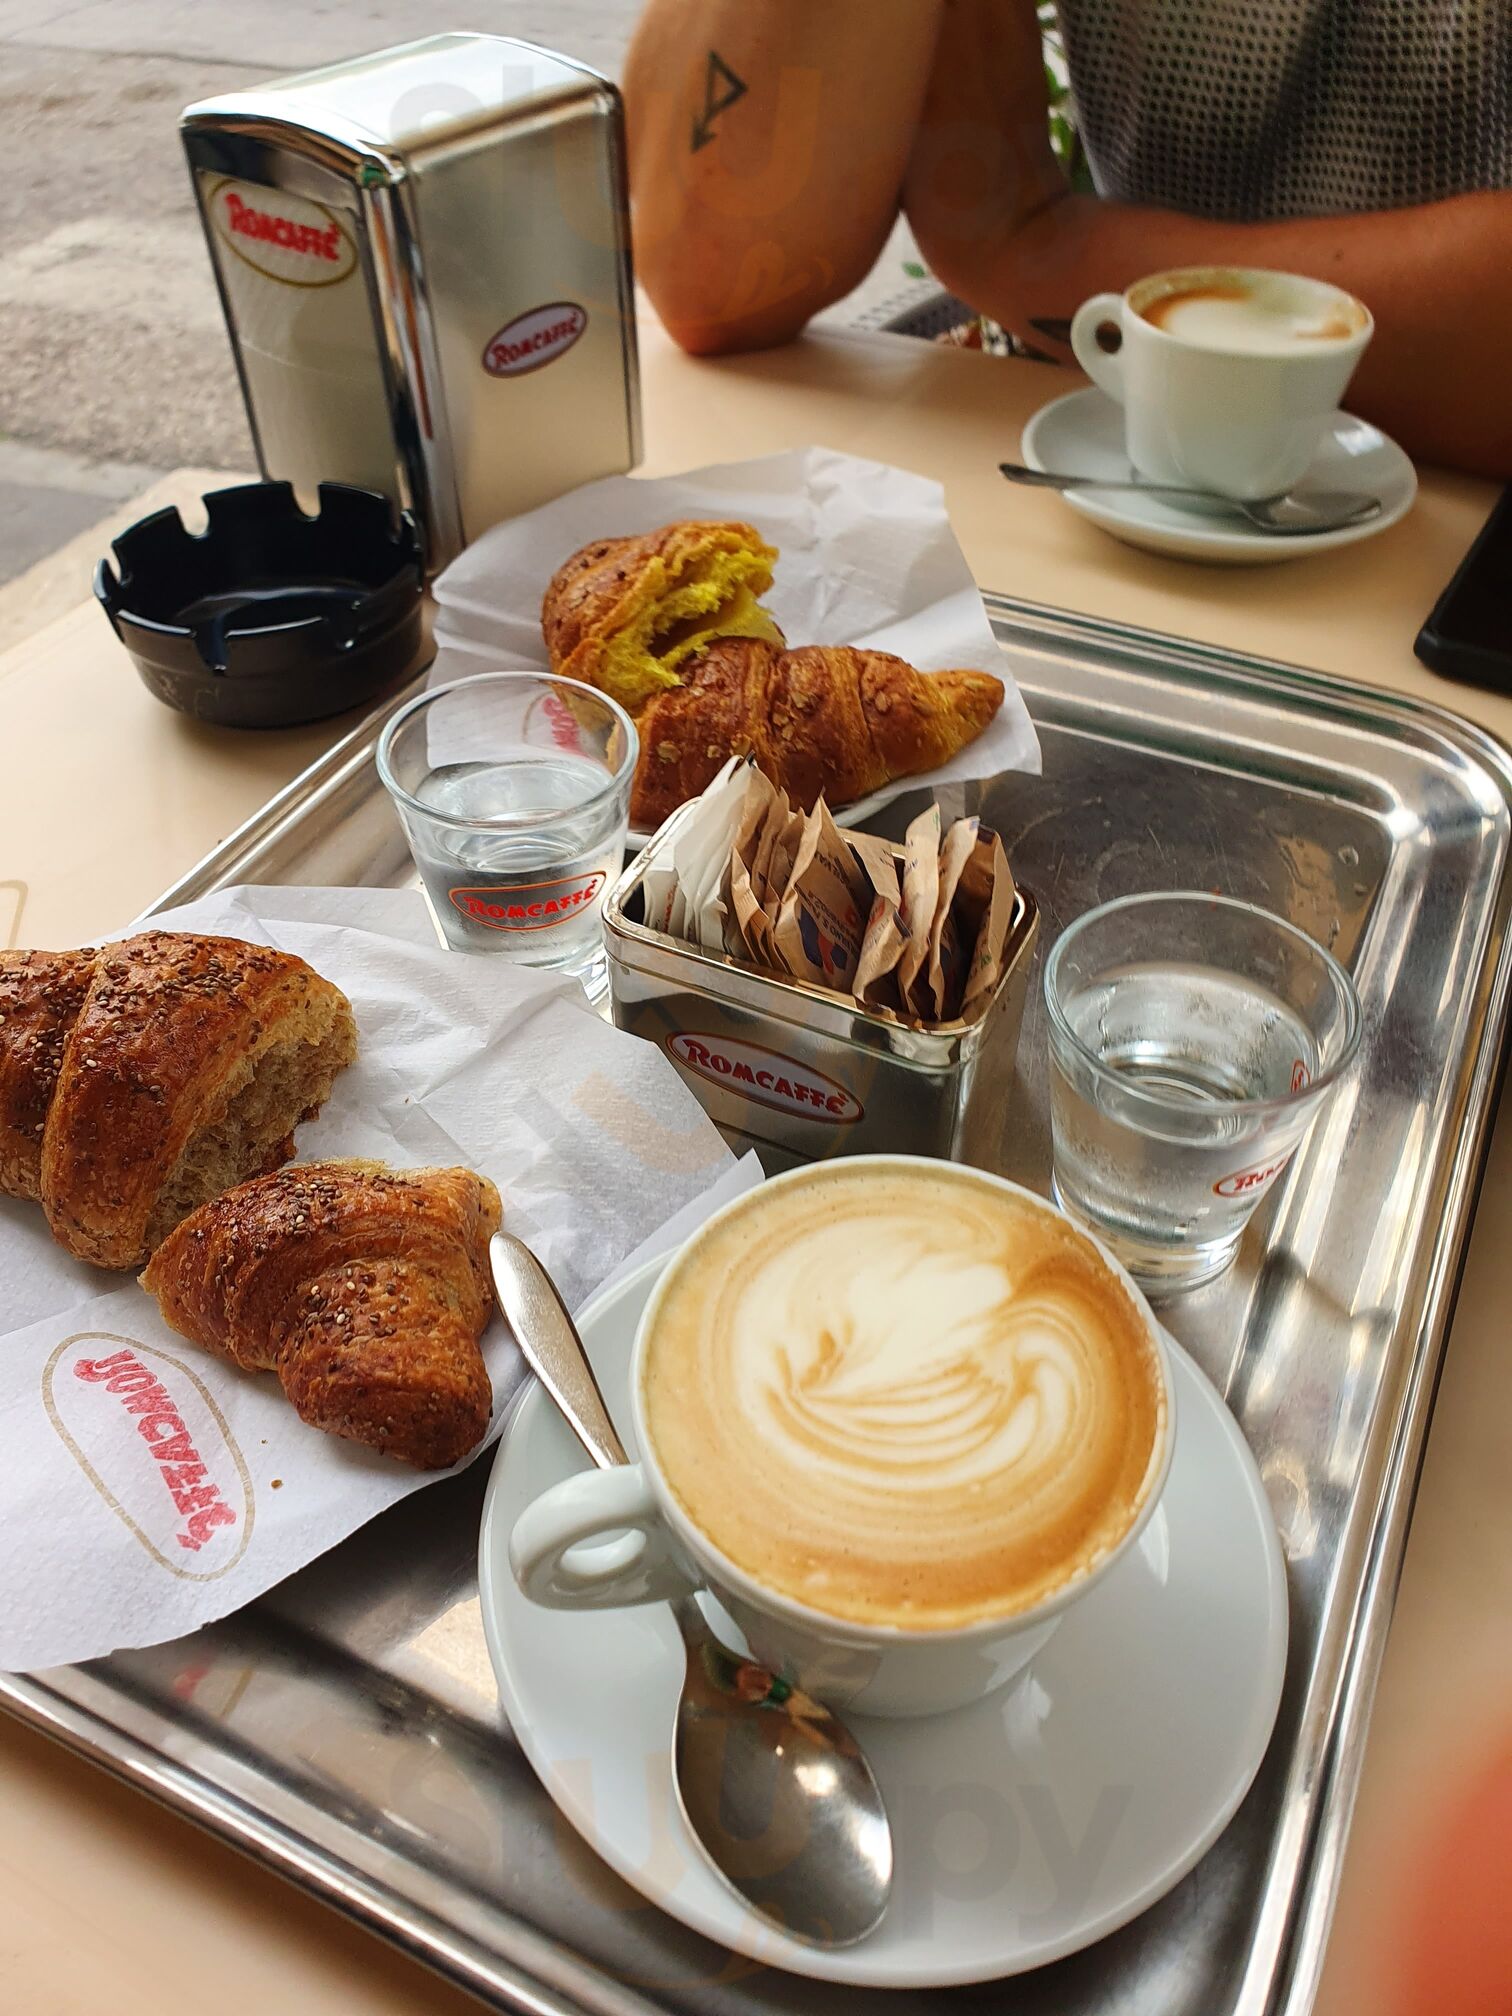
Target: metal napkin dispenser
[424,260]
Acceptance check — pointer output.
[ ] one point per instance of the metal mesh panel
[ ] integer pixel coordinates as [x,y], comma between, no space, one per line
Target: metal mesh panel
[1248,109]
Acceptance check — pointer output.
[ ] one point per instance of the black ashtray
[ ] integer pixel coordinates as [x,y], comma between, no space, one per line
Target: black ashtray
[269,618]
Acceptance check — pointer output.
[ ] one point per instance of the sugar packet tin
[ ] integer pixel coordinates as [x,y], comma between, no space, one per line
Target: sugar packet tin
[802,1073]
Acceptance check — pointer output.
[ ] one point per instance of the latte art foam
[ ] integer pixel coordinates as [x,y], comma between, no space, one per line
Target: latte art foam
[903,1397]
[1270,315]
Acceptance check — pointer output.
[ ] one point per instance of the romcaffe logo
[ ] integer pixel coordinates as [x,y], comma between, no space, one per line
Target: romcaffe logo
[537,337]
[147,1434]
[528,906]
[1245,1182]
[751,1071]
[283,237]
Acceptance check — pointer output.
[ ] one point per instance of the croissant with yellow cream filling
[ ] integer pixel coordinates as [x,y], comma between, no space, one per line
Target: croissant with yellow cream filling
[625,614]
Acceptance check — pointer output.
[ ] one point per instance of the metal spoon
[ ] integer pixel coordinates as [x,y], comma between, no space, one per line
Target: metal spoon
[1322,511]
[775,1788]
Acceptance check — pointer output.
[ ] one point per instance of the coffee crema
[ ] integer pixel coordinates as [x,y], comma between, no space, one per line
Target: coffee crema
[1235,316]
[903,1398]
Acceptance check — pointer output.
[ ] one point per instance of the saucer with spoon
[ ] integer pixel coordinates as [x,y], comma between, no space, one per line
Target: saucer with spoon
[1360,483]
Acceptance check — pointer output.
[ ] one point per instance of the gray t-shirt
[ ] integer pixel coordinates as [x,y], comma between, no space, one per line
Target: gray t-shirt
[1248,109]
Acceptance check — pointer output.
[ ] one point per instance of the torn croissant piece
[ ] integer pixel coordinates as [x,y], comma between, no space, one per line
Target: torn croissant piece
[828,719]
[139,1080]
[365,1289]
[626,614]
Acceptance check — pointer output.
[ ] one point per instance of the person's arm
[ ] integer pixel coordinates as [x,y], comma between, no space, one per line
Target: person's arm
[999,226]
[768,141]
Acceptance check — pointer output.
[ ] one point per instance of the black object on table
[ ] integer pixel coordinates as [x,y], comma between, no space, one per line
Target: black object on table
[1469,634]
[270,617]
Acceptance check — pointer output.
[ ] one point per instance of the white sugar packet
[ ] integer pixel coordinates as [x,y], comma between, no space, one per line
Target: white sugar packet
[148,1488]
[698,854]
[868,557]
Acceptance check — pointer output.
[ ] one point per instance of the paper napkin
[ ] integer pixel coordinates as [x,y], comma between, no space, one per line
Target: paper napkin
[868,557]
[148,1488]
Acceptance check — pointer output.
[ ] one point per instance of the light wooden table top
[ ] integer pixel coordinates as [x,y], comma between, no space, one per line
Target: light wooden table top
[109,798]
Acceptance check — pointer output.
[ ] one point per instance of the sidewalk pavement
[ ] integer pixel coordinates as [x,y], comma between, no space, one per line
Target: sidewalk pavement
[114,362]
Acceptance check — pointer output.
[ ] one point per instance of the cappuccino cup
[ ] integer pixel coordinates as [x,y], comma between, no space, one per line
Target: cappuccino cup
[896,1415]
[1227,375]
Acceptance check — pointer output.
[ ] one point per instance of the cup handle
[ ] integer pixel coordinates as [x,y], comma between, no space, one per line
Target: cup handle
[640,1567]
[1103,367]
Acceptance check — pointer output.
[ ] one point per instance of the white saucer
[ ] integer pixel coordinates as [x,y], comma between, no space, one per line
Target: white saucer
[1082,434]
[1026,1826]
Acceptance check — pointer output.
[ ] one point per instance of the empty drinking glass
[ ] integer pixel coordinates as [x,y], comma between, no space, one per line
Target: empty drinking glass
[514,790]
[1192,1040]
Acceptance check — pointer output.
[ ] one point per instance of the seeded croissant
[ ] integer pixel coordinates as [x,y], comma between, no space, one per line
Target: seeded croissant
[365,1289]
[141,1079]
[827,719]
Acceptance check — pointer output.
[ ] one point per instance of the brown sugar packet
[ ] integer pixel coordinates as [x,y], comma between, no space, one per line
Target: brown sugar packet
[772,826]
[921,882]
[741,902]
[780,864]
[945,969]
[819,925]
[878,863]
[752,928]
[701,855]
[760,795]
[883,940]
[875,980]
[984,897]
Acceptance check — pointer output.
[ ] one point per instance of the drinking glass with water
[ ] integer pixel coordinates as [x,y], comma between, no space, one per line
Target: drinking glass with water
[1193,1039]
[514,790]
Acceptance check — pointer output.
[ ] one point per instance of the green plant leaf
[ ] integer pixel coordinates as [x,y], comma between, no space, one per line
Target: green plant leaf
[1064,138]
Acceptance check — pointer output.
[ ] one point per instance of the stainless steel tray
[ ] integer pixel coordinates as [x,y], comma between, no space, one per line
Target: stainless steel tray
[345,1730]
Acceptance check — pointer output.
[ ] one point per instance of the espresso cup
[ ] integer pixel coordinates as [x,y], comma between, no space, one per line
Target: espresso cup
[1227,375]
[896,1415]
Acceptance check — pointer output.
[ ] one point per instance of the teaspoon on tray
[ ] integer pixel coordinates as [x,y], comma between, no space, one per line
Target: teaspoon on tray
[1288,514]
[744,1767]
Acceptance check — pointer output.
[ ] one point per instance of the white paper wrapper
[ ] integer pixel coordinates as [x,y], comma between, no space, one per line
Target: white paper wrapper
[147,1488]
[867,558]
[699,854]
